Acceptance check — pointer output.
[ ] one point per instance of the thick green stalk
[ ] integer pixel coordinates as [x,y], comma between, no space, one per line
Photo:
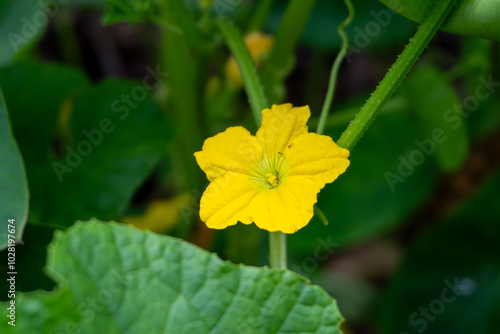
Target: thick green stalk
[260,16]
[396,74]
[277,250]
[277,64]
[289,32]
[189,26]
[335,68]
[68,42]
[183,102]
[251,81]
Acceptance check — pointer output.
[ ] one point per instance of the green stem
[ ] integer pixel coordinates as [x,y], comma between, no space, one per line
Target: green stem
[289,32]
[183,101]
[321,215]
[251,81]
[279,61]
[189,26]
[68,42]
[396,74]
[260,16]
[277,249]
[335,68]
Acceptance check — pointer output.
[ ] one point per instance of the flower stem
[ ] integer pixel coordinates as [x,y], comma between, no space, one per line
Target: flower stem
[251,81]
[277,249]
[396,74]
[335,68]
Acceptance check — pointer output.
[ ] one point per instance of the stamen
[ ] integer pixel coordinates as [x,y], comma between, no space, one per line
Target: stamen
[273,180]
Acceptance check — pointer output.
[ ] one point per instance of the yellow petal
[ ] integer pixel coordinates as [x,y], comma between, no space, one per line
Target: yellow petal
[233,150]
[281,125]
[316,157]
[286,208]
[226,199]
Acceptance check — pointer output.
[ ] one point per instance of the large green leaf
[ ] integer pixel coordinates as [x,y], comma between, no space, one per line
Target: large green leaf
[481,100]
[440,114]
[449,280]
[22,22]
[123,153]
[469,18]
[116,279]
[34,95]
[13,183]
[114,138]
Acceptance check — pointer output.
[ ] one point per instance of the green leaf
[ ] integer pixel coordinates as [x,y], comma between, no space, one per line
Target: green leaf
[469,18]
[22,22]
[482,115]
[133,11]
[439,113]
[117,279]
[34,95]
[125,141]
[114,137]
[452,274]
[13,183]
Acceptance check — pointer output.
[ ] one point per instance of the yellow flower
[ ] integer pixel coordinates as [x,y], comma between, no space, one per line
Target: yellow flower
[272,178]
[258,45]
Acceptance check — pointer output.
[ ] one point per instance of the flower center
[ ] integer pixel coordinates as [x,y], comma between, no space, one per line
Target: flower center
[269,171]
[273,179]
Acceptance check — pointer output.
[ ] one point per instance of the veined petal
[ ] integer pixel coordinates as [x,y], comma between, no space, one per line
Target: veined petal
[316,157]
[281,125]
[286,208]
[226,199]
[233,150]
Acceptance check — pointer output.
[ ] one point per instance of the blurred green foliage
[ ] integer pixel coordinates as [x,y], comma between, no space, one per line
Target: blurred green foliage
[109,148]
[18,28]
[90,162]
[437,115]
[448,280]
[363,193]
[14,197]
